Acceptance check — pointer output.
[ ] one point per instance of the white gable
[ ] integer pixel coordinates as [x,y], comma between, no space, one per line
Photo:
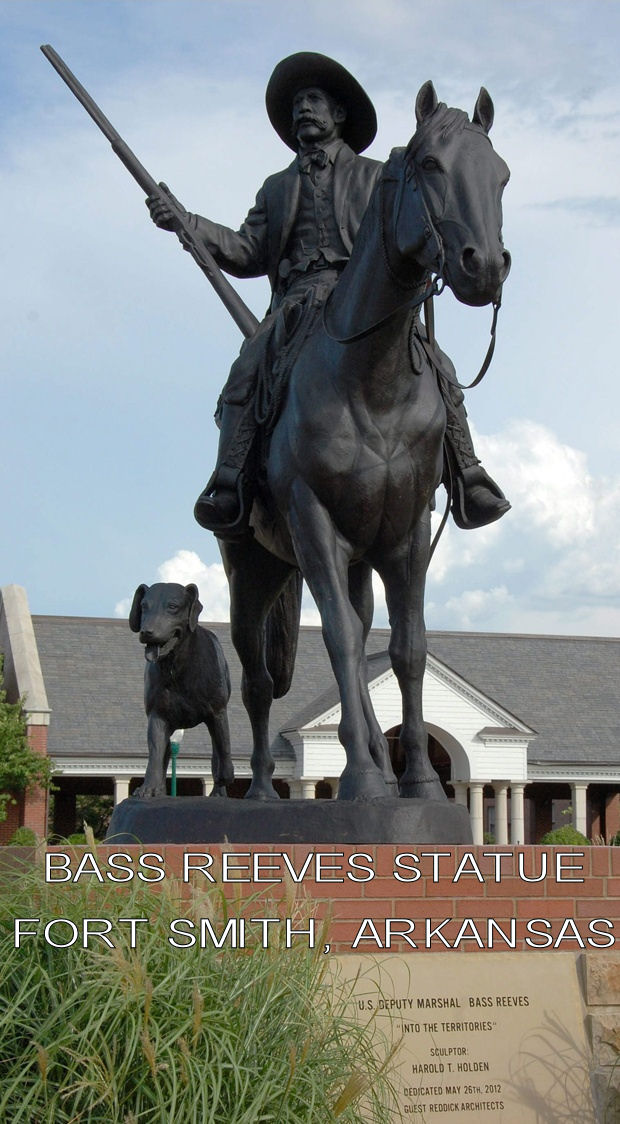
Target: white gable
[484,741]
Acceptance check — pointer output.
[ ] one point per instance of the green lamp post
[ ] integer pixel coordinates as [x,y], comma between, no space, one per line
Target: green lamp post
[175,746]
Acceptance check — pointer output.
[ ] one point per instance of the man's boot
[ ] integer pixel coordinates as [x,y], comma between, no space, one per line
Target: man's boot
[476,499]
[224,505]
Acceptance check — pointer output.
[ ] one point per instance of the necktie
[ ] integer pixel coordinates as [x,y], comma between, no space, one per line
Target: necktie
[315,158]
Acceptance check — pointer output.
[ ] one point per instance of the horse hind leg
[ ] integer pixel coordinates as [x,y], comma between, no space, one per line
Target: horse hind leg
[362,600]
[222,767]
[256,579]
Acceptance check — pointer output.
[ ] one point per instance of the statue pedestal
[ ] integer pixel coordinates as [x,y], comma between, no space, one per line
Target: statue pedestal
[199,819]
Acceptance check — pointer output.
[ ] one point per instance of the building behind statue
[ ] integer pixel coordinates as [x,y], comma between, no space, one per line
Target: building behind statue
[521,728]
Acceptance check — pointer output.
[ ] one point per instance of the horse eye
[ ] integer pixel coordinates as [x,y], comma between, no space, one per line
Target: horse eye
[430,164]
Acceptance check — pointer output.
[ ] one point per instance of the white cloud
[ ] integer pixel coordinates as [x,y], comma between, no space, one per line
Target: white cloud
[121,609]
[186,567]
[556,552]
[548,481]
[476,605]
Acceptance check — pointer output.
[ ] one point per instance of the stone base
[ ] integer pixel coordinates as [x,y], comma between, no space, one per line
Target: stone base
[199,819]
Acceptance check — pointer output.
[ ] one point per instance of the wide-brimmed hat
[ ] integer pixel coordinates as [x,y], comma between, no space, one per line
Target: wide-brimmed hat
[307,69]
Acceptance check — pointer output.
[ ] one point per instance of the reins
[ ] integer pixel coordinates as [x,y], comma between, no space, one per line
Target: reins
[429,344]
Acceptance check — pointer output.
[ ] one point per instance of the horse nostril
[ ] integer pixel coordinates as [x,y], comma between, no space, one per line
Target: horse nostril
[469,260]
[507,260]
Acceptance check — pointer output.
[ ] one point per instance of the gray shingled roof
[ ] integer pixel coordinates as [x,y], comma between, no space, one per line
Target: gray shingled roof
[563,687]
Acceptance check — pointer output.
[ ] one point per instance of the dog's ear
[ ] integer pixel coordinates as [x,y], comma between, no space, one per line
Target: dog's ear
[195,608]
[135,612]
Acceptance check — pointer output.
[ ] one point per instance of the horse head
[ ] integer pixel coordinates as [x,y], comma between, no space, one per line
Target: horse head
[452,221]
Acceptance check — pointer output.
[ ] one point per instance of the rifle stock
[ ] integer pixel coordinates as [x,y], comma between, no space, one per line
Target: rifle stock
[241,314]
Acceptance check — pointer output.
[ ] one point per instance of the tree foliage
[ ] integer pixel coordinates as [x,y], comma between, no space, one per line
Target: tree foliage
[21,768]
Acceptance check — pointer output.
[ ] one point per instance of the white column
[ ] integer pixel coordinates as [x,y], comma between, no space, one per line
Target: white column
[579,791]
[460,791]
[307,789]
[121,789]
[517,813]
[476,810]
[207,785]
[501,811]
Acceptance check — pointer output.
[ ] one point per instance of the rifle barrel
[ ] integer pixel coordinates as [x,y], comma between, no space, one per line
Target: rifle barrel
[238,309]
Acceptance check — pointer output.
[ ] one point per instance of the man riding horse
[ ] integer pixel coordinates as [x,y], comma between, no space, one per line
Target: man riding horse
[300,232]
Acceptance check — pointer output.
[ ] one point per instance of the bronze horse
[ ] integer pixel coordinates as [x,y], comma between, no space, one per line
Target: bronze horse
[356,454]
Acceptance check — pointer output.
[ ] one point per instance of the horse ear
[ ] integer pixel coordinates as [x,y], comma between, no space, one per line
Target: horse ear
[135,612]
[426,102]
[195,608]
[484,111]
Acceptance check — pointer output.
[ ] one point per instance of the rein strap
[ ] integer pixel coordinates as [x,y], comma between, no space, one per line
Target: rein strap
[430,349]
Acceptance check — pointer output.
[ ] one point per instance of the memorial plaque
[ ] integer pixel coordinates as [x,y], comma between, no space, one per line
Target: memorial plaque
[493,1038]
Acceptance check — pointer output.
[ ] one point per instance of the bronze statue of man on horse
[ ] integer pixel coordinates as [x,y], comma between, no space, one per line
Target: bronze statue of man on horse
[341,415]
[300,233]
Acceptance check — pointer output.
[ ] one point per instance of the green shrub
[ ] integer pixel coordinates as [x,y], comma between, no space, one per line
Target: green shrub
[21,768]
[565,835]
[23,837]
[615,840]
[162,1034]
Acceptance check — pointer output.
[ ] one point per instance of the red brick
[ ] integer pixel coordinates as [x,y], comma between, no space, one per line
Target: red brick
[600,861]
[500,907]
[598,907]
[515,887]
[548,908]
[614,856]
[591,888]
[391,888]
[447,889]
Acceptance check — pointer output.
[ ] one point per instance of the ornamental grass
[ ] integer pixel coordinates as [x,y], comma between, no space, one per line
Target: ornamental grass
[164,1035]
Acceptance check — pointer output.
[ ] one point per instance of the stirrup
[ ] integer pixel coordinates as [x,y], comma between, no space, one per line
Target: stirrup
[235,528]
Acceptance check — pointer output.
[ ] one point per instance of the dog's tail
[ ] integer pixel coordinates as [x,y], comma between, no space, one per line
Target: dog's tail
[281,634]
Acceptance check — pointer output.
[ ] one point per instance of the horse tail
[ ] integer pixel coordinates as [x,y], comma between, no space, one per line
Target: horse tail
[281,634]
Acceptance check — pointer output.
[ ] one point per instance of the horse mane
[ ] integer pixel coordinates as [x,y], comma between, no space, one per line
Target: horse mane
[445,120]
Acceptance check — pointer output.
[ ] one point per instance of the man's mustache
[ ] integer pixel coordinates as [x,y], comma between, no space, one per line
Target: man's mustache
[309,119]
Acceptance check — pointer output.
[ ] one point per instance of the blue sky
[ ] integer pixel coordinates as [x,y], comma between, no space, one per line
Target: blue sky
[115,348]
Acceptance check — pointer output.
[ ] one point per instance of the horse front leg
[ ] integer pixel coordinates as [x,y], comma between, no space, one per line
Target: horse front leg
[324,560]
[362,600]
[255,579]
[404,576]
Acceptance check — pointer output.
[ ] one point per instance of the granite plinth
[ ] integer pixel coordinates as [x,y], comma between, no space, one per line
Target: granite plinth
[199,819]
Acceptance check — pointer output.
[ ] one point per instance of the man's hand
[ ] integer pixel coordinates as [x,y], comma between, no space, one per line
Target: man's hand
[160,212]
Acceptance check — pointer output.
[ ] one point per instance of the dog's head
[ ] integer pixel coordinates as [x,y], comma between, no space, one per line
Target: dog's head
[163,614]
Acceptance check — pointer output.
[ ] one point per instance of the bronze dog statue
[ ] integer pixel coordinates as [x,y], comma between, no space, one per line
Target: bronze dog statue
[186,680]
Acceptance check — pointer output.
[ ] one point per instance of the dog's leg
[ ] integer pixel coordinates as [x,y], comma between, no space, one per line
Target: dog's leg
[221,760]
[158,737]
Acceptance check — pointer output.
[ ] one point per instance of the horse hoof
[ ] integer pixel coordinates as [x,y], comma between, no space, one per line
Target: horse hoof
[424,790]
[261,790]
[366,784]
[218,790]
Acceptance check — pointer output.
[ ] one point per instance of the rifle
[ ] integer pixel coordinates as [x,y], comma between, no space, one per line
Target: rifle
[241,314]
